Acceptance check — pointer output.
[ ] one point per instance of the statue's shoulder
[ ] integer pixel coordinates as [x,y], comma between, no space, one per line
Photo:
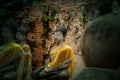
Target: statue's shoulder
[14,46]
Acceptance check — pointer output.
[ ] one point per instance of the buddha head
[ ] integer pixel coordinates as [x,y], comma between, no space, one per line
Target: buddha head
[100,42]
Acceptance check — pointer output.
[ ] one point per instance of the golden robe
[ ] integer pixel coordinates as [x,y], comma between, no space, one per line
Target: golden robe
[59,55]
[28,57]
[8,53]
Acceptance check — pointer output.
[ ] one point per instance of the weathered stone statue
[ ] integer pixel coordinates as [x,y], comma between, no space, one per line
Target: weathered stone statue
[100,45]
[21,39]
[61,62]
[11,55]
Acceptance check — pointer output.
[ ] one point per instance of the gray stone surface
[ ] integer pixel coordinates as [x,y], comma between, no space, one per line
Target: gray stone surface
[97,74]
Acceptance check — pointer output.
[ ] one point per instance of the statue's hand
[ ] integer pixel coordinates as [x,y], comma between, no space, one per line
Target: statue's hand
[43,73]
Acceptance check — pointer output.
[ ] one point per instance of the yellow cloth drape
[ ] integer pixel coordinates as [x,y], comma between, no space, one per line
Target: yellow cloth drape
[59,55]
[27,51]
[9,52]
[28,57]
